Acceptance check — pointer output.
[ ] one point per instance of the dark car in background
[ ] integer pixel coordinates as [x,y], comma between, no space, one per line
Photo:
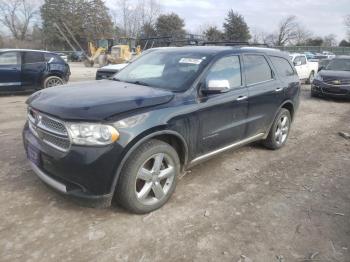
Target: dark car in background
[165,112]
[77,56]
[334,79]
[22,69]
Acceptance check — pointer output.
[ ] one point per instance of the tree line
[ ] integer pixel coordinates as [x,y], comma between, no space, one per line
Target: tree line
[32,25]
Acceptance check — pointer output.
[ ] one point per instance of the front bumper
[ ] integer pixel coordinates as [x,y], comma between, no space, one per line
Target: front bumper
[84,173]
[322,89]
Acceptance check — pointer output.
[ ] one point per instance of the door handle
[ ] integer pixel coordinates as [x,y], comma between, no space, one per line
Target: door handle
[240,98]
[279,89]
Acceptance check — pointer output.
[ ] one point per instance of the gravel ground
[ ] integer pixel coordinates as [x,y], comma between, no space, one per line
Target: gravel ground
[286,205]
[81,73]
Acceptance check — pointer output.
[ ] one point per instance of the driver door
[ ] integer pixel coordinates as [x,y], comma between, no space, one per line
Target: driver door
[223,116]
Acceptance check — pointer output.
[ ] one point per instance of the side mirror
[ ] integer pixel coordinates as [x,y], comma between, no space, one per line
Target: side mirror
[297,63]
[216,87]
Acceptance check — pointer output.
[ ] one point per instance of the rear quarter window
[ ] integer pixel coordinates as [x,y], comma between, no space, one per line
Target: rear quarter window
[282,66]
[257,69]
[55,58]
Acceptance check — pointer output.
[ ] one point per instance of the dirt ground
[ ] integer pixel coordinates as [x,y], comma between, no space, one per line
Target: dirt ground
[81,73]
[286,205]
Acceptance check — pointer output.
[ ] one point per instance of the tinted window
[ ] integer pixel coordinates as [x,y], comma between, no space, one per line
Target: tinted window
[227,68]
[9,58]
[257,69]
[55,58]
[282,66]
[33,57]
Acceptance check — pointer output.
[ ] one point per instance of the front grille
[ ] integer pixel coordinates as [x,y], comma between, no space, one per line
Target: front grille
[50,130]
[53,125]
[336,81]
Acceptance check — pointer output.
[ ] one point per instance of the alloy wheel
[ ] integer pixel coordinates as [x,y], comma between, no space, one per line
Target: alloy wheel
[154,179]
[54,82]
[282,130]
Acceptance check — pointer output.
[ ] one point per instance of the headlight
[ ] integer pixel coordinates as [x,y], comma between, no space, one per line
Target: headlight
[318,77]
[92,134]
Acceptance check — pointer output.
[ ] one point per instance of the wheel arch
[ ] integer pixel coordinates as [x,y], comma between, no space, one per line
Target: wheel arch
[171,137]
[290,107]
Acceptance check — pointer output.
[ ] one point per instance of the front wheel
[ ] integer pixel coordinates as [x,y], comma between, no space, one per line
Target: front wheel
[148,178]
[279,131]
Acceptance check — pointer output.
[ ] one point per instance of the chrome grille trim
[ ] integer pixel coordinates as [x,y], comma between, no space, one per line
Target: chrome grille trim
[50,130]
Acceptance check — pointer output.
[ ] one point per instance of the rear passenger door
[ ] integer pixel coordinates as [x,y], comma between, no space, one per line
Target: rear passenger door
[33,68]
[287,76]
[265,93]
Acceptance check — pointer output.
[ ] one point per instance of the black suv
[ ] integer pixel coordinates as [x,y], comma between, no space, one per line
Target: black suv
[23,69]
[168,110]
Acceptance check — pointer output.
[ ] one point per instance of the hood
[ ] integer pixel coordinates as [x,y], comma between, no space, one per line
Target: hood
[96,100]
[336,75]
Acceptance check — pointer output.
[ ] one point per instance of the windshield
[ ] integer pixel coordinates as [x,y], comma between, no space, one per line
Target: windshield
[339,65]
[171,70]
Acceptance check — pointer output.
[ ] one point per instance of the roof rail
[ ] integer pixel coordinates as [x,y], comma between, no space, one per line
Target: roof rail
[231,43]
[225,43]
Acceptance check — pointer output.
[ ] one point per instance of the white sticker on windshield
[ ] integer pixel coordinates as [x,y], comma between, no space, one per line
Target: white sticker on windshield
[194,61]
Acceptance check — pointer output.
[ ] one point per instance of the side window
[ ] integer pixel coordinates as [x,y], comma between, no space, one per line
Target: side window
[9,58]
[33,57]
[282,66]
[303,60]
[226,68]
[55,58]
[257,69]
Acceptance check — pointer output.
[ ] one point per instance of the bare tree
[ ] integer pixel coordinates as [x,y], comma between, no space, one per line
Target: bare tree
[287,30]
[330,40]
[132,16]
[260,37]
[302,35]
[17,16]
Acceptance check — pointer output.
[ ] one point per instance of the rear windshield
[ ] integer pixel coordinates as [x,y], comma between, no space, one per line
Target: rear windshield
[173,71]
[339,64]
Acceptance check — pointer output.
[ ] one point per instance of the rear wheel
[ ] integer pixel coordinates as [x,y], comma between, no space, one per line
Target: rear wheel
[279,131]
[311,78]
[148,178]
[52,81]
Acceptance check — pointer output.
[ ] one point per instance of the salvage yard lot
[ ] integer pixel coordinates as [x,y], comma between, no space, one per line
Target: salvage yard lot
[284,205]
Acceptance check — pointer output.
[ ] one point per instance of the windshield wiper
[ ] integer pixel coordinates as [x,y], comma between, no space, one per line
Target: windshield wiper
[139,83]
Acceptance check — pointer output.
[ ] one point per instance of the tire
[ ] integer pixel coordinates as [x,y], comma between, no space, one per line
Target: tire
[279,131]
[52,81]
[144,184]
[313,94]
[311,78]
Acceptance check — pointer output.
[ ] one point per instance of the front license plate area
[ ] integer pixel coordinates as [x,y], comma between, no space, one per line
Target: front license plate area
[33,154]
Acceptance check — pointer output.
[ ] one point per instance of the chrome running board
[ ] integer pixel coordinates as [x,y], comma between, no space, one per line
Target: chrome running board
[220,150]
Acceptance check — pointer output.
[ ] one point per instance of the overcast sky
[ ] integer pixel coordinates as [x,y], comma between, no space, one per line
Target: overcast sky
[322,17]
